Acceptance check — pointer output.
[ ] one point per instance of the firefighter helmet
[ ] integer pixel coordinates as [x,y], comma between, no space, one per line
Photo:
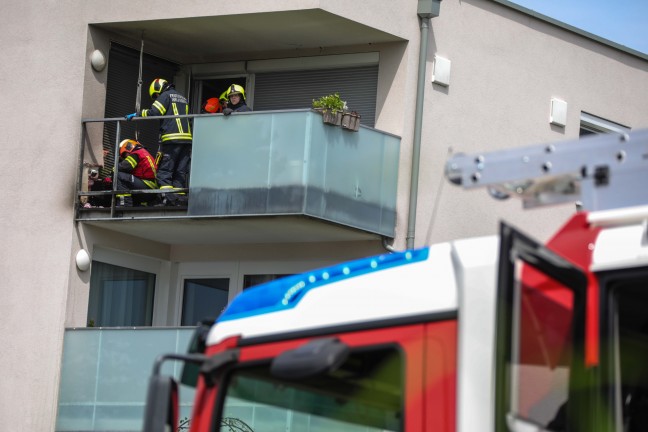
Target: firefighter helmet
[127,146]
[157,86]
[212,105]
[223,97]
[236,89]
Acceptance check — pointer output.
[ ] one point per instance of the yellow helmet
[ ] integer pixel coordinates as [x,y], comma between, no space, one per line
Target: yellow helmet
[235,89]
[223,97]
[157,86]
[127,146]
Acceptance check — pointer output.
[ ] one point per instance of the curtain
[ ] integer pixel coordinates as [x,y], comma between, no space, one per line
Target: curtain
[120,297]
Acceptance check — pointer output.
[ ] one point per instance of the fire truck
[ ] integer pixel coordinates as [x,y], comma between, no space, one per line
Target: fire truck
[499,333]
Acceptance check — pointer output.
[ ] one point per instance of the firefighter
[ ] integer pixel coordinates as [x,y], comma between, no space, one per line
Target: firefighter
[175,139]
[236,98]
[223,99]
[136,170]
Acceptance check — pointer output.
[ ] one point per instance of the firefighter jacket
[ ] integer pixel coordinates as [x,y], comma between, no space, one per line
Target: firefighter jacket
[141,164]
[170,103]
[239,107]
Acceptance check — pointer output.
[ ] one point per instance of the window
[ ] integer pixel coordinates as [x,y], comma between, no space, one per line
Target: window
[297,89]
[121,93]
[203,298]
[365,394]
[212,88]
[591,124]
[542,351]
[120,296]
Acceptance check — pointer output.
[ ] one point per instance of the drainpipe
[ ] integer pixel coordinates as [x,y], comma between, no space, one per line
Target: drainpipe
[426,9]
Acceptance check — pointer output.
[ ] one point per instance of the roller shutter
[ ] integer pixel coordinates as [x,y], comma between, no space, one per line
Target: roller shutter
[121,91]
[297,89]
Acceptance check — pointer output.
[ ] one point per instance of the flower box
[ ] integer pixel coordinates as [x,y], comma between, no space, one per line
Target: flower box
[332,117]
[350,121]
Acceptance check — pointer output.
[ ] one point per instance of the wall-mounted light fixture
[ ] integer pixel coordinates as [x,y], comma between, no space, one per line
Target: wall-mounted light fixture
[83,260]
[98,60]
[558,115]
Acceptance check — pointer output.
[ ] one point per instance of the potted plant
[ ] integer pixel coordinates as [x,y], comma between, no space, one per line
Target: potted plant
[332,107]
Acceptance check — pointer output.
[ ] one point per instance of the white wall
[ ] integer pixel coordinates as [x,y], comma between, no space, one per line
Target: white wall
[505,69]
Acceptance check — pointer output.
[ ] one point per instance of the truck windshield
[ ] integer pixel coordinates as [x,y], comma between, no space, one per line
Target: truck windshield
[365,395]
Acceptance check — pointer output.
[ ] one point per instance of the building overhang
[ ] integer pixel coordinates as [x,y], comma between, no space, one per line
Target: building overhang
[210,38]
[223,231]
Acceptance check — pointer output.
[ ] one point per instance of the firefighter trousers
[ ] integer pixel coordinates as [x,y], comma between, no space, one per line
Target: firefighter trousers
[173,170]
[127,182]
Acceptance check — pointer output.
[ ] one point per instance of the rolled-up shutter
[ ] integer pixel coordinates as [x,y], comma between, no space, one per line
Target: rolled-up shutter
[121,92]
[297,89]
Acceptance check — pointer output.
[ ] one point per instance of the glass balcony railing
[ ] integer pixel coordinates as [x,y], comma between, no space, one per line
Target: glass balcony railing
[105,373]
[291,163]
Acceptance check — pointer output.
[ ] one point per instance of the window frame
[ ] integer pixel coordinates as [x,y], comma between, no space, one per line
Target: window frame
[408,339]
[598,125]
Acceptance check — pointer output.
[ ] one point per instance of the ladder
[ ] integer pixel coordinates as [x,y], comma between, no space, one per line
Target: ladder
[599,172]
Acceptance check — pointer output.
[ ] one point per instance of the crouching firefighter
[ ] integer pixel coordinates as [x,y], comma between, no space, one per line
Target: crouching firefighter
[136,172]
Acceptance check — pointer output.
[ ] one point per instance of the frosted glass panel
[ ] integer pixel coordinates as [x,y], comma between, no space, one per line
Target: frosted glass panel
[290,162]
[105,372]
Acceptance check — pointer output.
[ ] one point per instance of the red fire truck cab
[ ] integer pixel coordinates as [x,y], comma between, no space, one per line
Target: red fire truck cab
[497,333]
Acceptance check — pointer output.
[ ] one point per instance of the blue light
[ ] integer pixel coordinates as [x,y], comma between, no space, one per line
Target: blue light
[285,293]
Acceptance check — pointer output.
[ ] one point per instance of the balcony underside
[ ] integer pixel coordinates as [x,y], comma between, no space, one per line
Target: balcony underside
[209,38]
[163,227]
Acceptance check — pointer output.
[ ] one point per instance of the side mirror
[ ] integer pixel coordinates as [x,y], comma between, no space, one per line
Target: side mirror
[197,345]
[161,412]
[313,358]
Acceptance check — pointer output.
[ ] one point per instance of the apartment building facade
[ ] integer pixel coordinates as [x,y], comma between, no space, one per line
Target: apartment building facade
[272,192]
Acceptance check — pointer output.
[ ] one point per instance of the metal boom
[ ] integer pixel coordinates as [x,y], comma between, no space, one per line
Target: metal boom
[599,172]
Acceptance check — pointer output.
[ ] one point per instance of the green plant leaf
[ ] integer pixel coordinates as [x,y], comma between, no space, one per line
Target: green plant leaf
[331,102]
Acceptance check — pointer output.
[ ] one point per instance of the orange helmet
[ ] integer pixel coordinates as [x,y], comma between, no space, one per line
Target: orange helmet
[127,146]
[212,105]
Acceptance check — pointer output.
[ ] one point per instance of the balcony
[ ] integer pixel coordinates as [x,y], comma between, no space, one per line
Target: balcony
[277,176]
[105,372]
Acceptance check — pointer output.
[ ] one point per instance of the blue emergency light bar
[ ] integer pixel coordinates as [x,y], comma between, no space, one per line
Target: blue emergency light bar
[285,293]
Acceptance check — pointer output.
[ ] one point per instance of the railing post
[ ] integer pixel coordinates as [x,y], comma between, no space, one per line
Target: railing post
[115,170]
[79,182]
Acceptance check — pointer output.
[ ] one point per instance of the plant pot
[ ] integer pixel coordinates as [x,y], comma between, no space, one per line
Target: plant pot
[332,118]
[351,121]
